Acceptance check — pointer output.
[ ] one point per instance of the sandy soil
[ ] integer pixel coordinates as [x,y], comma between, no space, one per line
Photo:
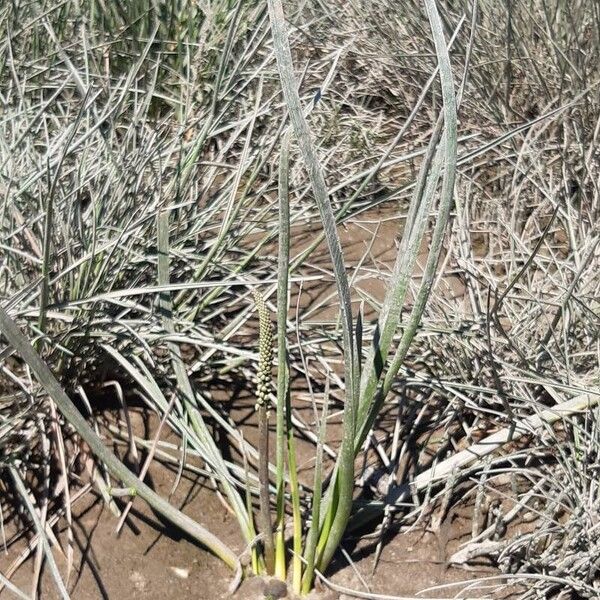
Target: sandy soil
[151,560]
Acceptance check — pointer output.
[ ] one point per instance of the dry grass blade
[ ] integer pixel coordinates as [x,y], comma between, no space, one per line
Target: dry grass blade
[40,529]
[494,442]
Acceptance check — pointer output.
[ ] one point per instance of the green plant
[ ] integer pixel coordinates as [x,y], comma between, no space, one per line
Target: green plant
[363,393]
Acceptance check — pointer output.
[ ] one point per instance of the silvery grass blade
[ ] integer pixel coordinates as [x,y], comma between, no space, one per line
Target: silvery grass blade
[11,587]
[315,172]
[144,379]
[233,205]
[39,527]
[196,432]
[212,118]
[406,260]
[235,324]
[417,219]
[232,209]
[478,452]
[283,388]
[446,155]
[49,225]
[183,381]
[225,55]
[345,479]
[368,175]
[113,464]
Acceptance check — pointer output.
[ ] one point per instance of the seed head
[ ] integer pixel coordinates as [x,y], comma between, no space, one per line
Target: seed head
[265,349]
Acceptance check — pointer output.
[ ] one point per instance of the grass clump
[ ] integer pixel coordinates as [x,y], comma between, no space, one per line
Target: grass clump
[159,165]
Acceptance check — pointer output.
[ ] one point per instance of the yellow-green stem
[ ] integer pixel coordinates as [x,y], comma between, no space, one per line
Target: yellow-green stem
[296,515]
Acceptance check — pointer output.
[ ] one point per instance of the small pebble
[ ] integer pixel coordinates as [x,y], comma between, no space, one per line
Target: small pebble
[138,580]
[181,573]
[275,588]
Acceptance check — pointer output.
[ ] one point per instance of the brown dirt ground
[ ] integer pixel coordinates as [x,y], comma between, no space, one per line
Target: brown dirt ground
[151,560]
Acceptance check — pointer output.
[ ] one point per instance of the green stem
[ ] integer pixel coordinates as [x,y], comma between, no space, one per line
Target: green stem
[296,511]
[315,172]
[313,535]
[263,476]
